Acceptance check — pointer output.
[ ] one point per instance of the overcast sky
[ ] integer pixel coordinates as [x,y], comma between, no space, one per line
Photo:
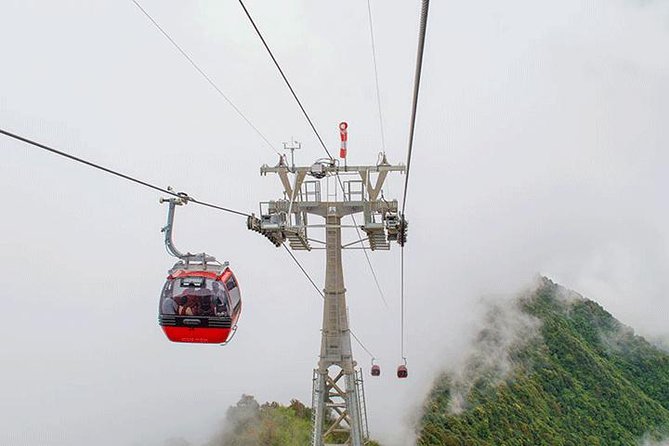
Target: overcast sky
[541,147]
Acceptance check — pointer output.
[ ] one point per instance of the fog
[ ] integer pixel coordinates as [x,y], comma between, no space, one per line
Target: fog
[647,442]
[541,148]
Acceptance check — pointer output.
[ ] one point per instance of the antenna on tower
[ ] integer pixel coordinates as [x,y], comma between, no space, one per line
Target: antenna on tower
[292,146]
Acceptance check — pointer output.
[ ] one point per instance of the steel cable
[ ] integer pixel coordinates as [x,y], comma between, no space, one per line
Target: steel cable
[416,89]
[203,74]
[376,75]
[285,79]
[118,174]
[419,67]
[369,262]
[318,290]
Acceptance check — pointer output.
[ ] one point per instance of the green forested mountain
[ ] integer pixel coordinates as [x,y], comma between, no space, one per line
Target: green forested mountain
[271,424]
[250,424]
[582,379]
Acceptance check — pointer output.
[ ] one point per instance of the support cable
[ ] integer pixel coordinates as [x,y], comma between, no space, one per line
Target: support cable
[318,290]
[369,261]
[304,271]
[361,344]
[376,75]
[416,88]
[285,79]
[118,174]
[419,67]
[203,74]
[402,307]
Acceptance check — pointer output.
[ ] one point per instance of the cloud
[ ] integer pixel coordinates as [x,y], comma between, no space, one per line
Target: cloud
[506,328]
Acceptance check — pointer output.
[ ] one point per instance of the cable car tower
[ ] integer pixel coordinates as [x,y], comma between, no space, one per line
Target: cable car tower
[331,191]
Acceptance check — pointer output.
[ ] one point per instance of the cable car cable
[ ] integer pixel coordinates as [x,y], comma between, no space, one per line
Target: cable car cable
[376,279]
[416,89]
[369,262]
[361,344]
[419,67]
[376,74]
[318,290]
[290,87]
[118,174]
[204,75]
[402,303]
[297,262]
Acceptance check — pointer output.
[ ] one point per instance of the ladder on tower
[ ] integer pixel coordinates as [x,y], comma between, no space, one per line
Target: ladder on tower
[359,384]
[315,398]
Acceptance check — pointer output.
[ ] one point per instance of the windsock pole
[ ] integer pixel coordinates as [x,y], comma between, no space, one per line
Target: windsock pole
[343,135]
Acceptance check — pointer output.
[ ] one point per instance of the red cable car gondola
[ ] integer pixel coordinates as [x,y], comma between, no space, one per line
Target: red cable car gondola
[200,301]
[376,369]
[200,304]
[402,371]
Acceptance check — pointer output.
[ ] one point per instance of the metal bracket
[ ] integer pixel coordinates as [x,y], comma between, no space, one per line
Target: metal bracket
[180,199]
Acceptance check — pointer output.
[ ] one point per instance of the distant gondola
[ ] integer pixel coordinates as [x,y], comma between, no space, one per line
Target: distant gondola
[402,371]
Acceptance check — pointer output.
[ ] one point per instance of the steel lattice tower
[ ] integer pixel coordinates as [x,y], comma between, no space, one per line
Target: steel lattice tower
[339,413]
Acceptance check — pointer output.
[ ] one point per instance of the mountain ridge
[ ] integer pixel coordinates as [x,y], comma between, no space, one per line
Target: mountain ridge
[587,379]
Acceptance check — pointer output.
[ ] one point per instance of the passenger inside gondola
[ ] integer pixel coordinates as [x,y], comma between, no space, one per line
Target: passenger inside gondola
[220,299]
[189,304]
[169,306]
[196,296]
[206,308]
